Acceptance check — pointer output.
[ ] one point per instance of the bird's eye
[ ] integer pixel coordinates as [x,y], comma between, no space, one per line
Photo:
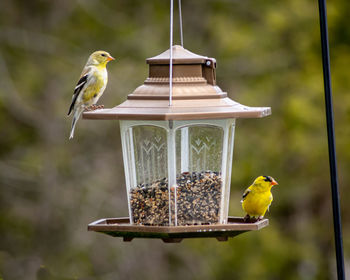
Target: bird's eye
[103,54]
[267,179]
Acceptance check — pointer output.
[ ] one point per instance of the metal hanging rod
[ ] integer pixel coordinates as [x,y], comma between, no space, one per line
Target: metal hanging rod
[331,140]
[180,21]
[171,52]
[171,44]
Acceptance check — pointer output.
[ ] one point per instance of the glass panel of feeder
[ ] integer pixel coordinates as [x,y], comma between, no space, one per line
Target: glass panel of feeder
[150,148]
[149,197]
[199,150]
[129,160]
[227,167]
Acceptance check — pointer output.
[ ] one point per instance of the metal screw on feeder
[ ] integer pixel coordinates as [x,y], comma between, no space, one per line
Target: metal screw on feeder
[178,158]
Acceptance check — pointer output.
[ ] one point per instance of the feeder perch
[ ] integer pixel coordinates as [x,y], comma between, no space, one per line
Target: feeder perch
[178,157]
[120,227]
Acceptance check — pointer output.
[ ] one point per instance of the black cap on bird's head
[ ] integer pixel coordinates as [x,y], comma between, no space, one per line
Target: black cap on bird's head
[271,180]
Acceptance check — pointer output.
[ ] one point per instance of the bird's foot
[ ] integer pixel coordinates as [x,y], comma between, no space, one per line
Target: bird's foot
[248,219]
[94,107]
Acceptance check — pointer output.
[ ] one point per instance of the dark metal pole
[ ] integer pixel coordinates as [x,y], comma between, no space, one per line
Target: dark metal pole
[331,140]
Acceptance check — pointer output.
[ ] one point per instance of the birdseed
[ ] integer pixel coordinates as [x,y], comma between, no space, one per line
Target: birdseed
[198,197]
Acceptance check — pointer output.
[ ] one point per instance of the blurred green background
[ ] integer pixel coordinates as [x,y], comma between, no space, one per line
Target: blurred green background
[268,54]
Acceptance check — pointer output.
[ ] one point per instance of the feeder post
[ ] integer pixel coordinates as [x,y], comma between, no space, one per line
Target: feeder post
[331,139]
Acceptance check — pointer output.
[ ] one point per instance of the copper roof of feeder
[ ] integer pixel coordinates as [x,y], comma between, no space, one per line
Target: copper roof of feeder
[195,93]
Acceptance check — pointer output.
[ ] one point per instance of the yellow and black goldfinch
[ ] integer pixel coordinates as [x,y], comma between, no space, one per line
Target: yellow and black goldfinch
[90,87]
[257,198]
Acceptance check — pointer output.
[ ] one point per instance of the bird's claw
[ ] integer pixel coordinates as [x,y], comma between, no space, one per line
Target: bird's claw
[248,219]
[94,107]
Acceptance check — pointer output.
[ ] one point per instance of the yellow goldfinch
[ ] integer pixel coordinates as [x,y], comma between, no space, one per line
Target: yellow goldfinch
[91,85]
[258,197]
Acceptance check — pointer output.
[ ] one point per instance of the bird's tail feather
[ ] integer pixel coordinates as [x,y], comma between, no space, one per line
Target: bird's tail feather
[76,117]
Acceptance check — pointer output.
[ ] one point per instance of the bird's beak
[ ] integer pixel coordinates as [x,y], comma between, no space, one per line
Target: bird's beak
[110,58]
[273,183]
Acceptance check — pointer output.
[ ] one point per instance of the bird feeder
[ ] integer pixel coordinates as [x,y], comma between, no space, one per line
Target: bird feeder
[178,156]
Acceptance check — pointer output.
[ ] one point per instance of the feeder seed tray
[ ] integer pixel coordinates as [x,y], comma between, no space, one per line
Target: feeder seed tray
[121,227]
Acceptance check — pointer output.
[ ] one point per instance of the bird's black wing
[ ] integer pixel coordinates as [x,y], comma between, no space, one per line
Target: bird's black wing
[245,194]
[81,83]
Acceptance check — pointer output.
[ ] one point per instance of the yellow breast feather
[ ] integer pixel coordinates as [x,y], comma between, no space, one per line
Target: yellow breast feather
[95,89]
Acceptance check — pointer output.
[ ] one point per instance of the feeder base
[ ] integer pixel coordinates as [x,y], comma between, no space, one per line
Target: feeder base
[121,227]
